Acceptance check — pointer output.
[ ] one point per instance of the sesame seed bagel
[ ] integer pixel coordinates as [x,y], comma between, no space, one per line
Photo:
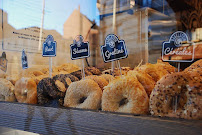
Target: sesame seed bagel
[195,65]
[176,95]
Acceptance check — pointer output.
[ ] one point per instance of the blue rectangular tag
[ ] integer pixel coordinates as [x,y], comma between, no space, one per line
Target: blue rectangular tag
[49,47]
[113,49]
[79,49]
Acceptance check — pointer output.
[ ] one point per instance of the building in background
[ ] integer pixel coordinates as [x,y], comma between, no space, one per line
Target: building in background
[79,24]
[136,25]
[145,24]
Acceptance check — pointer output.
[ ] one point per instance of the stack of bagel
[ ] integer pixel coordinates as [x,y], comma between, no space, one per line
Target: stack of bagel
[127,93]
[155,89]
[23,86]
[130,93]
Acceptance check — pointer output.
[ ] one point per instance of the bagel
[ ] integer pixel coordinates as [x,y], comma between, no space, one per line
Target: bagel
[78,73]
[12,78]
[155,71]
[47,93]
[84,94]
[146,80]
[125,94]
[62,81]
[177,95]
[108,77]
[165,65]
[195,66]
[37,79]
[26,91]
[3,75]
[68,67]
[46,70]
[195,74]
[117,72]
[99,80]
[30,72]
[93,70]
[6,91]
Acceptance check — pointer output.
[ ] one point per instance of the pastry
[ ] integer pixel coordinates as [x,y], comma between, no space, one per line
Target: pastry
[6,91]
[84,94]
[125,94]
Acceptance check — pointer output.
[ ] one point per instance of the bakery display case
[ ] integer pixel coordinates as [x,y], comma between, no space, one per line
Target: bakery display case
[101,66]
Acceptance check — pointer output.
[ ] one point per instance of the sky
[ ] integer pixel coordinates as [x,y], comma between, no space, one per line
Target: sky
[28,13]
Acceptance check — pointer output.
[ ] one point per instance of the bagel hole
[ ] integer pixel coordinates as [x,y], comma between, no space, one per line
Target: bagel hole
[81,100]
[24,92]
[123,101]
[178,101]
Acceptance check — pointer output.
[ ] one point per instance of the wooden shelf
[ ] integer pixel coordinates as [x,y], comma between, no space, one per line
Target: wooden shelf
[49,120]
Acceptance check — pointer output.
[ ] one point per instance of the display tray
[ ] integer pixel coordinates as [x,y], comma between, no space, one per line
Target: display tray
[50,120]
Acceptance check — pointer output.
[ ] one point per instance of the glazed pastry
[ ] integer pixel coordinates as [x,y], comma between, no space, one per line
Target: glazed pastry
[84,94]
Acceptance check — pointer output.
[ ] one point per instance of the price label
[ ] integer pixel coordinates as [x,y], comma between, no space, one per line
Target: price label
[3,62]
[174,50]
[49,47]
[79,49]
[24,60]
[113,49]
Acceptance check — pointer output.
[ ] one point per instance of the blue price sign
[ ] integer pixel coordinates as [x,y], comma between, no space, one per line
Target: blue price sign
[3,62]
[79,49]
[174,47]
[24,60]
[49,47]
[113,49]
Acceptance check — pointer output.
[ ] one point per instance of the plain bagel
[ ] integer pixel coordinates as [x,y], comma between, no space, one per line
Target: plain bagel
[26,91]
[125,94]
[6,91]
[84,94]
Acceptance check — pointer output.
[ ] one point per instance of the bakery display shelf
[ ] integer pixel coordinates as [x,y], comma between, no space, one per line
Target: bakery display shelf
[49,120]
